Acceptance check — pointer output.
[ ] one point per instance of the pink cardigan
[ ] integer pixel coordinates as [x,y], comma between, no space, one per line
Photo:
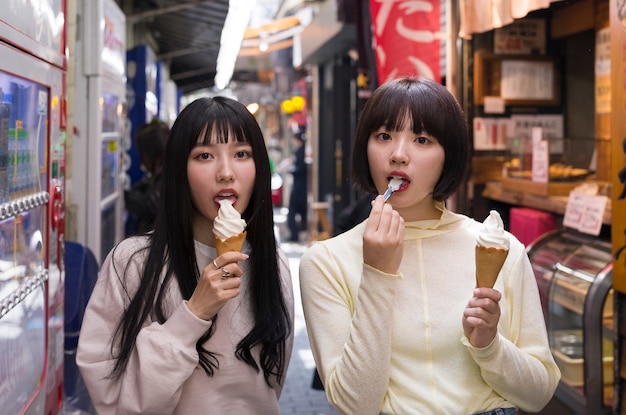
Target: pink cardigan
[163,375]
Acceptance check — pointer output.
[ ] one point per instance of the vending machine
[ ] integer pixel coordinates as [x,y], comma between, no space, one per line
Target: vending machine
[144,80]
[100,125]
[33,69]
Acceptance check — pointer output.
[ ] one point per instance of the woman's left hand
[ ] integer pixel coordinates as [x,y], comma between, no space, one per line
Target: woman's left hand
[481,316]
[219,282]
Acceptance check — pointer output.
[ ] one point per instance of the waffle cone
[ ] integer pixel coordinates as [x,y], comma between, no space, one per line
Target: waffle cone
[488,264]
[232,244]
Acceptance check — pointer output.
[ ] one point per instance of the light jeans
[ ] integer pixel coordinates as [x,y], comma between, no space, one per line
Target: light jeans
[499,411]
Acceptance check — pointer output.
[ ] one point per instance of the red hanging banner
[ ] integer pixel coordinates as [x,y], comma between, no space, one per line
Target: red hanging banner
[406,35]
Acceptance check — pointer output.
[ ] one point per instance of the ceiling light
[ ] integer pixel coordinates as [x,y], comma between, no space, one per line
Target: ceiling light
[237,18]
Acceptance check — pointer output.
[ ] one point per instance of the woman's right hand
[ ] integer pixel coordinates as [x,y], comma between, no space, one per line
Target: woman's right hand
[383,237]
[213,291]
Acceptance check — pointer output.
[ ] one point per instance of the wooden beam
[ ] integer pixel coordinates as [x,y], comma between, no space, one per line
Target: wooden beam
[574,18]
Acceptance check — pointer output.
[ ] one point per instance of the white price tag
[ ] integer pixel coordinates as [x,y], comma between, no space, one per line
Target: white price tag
[541,162]
[585,213]
[494,105]
[574,210]
[593,215]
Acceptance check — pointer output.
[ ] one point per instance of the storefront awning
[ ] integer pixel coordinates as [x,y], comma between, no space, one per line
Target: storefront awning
[479,16]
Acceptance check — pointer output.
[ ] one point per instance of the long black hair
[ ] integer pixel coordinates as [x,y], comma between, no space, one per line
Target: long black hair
[171,249]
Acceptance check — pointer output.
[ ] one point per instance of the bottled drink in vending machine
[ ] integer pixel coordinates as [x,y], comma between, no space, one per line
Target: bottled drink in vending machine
[5,112]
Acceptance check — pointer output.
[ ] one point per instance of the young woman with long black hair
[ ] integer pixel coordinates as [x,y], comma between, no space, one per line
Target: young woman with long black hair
[172,328]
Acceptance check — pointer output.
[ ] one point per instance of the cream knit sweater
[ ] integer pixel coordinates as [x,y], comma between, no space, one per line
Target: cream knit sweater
[394,344]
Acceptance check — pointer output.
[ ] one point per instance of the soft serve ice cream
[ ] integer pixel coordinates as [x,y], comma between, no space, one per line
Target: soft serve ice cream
[492,248]
[228,228]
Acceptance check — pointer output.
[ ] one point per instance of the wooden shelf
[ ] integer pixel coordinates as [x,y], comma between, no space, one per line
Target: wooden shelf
[488,72]
[554,204]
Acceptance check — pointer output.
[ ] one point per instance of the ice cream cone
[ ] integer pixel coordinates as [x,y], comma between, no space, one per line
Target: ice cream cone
[232,244]
[488,264]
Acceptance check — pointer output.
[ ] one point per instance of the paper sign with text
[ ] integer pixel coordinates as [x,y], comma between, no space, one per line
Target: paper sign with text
[540,157]
[585,213]
[494,105]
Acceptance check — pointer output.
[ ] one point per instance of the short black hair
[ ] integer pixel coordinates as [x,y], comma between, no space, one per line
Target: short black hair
[431,109]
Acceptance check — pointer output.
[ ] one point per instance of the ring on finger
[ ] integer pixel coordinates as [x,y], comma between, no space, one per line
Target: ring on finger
[215,264]
[225,273]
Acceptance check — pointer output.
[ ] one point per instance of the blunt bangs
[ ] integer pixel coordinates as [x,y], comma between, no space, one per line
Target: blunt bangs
[402,103]
[223,125]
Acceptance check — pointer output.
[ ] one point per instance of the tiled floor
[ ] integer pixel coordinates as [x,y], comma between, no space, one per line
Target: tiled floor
[298,396]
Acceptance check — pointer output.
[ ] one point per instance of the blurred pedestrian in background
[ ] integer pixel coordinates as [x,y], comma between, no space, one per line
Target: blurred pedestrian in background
[298,203]
[174,328]
[142,199]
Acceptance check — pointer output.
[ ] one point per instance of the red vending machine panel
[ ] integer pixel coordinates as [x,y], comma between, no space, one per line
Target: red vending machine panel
[32,161]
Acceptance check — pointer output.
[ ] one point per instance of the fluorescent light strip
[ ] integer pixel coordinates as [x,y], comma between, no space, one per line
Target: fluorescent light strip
[237,19]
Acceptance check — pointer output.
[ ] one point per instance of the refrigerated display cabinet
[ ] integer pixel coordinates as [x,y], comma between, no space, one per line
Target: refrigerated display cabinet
[574,277]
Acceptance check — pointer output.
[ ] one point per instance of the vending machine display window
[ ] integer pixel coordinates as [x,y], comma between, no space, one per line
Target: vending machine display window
[110,113]
[110,168]
[22,340]
[23,123]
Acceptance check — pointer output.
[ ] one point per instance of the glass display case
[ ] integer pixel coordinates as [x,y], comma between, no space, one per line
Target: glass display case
[574,277]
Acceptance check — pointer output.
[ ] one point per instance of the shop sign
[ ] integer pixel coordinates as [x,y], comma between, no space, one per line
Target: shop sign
[406,36]
[113,47]
[522,37]
[603,71]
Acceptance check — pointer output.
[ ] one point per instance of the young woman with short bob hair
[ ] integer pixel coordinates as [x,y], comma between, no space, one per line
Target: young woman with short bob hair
[397,322]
